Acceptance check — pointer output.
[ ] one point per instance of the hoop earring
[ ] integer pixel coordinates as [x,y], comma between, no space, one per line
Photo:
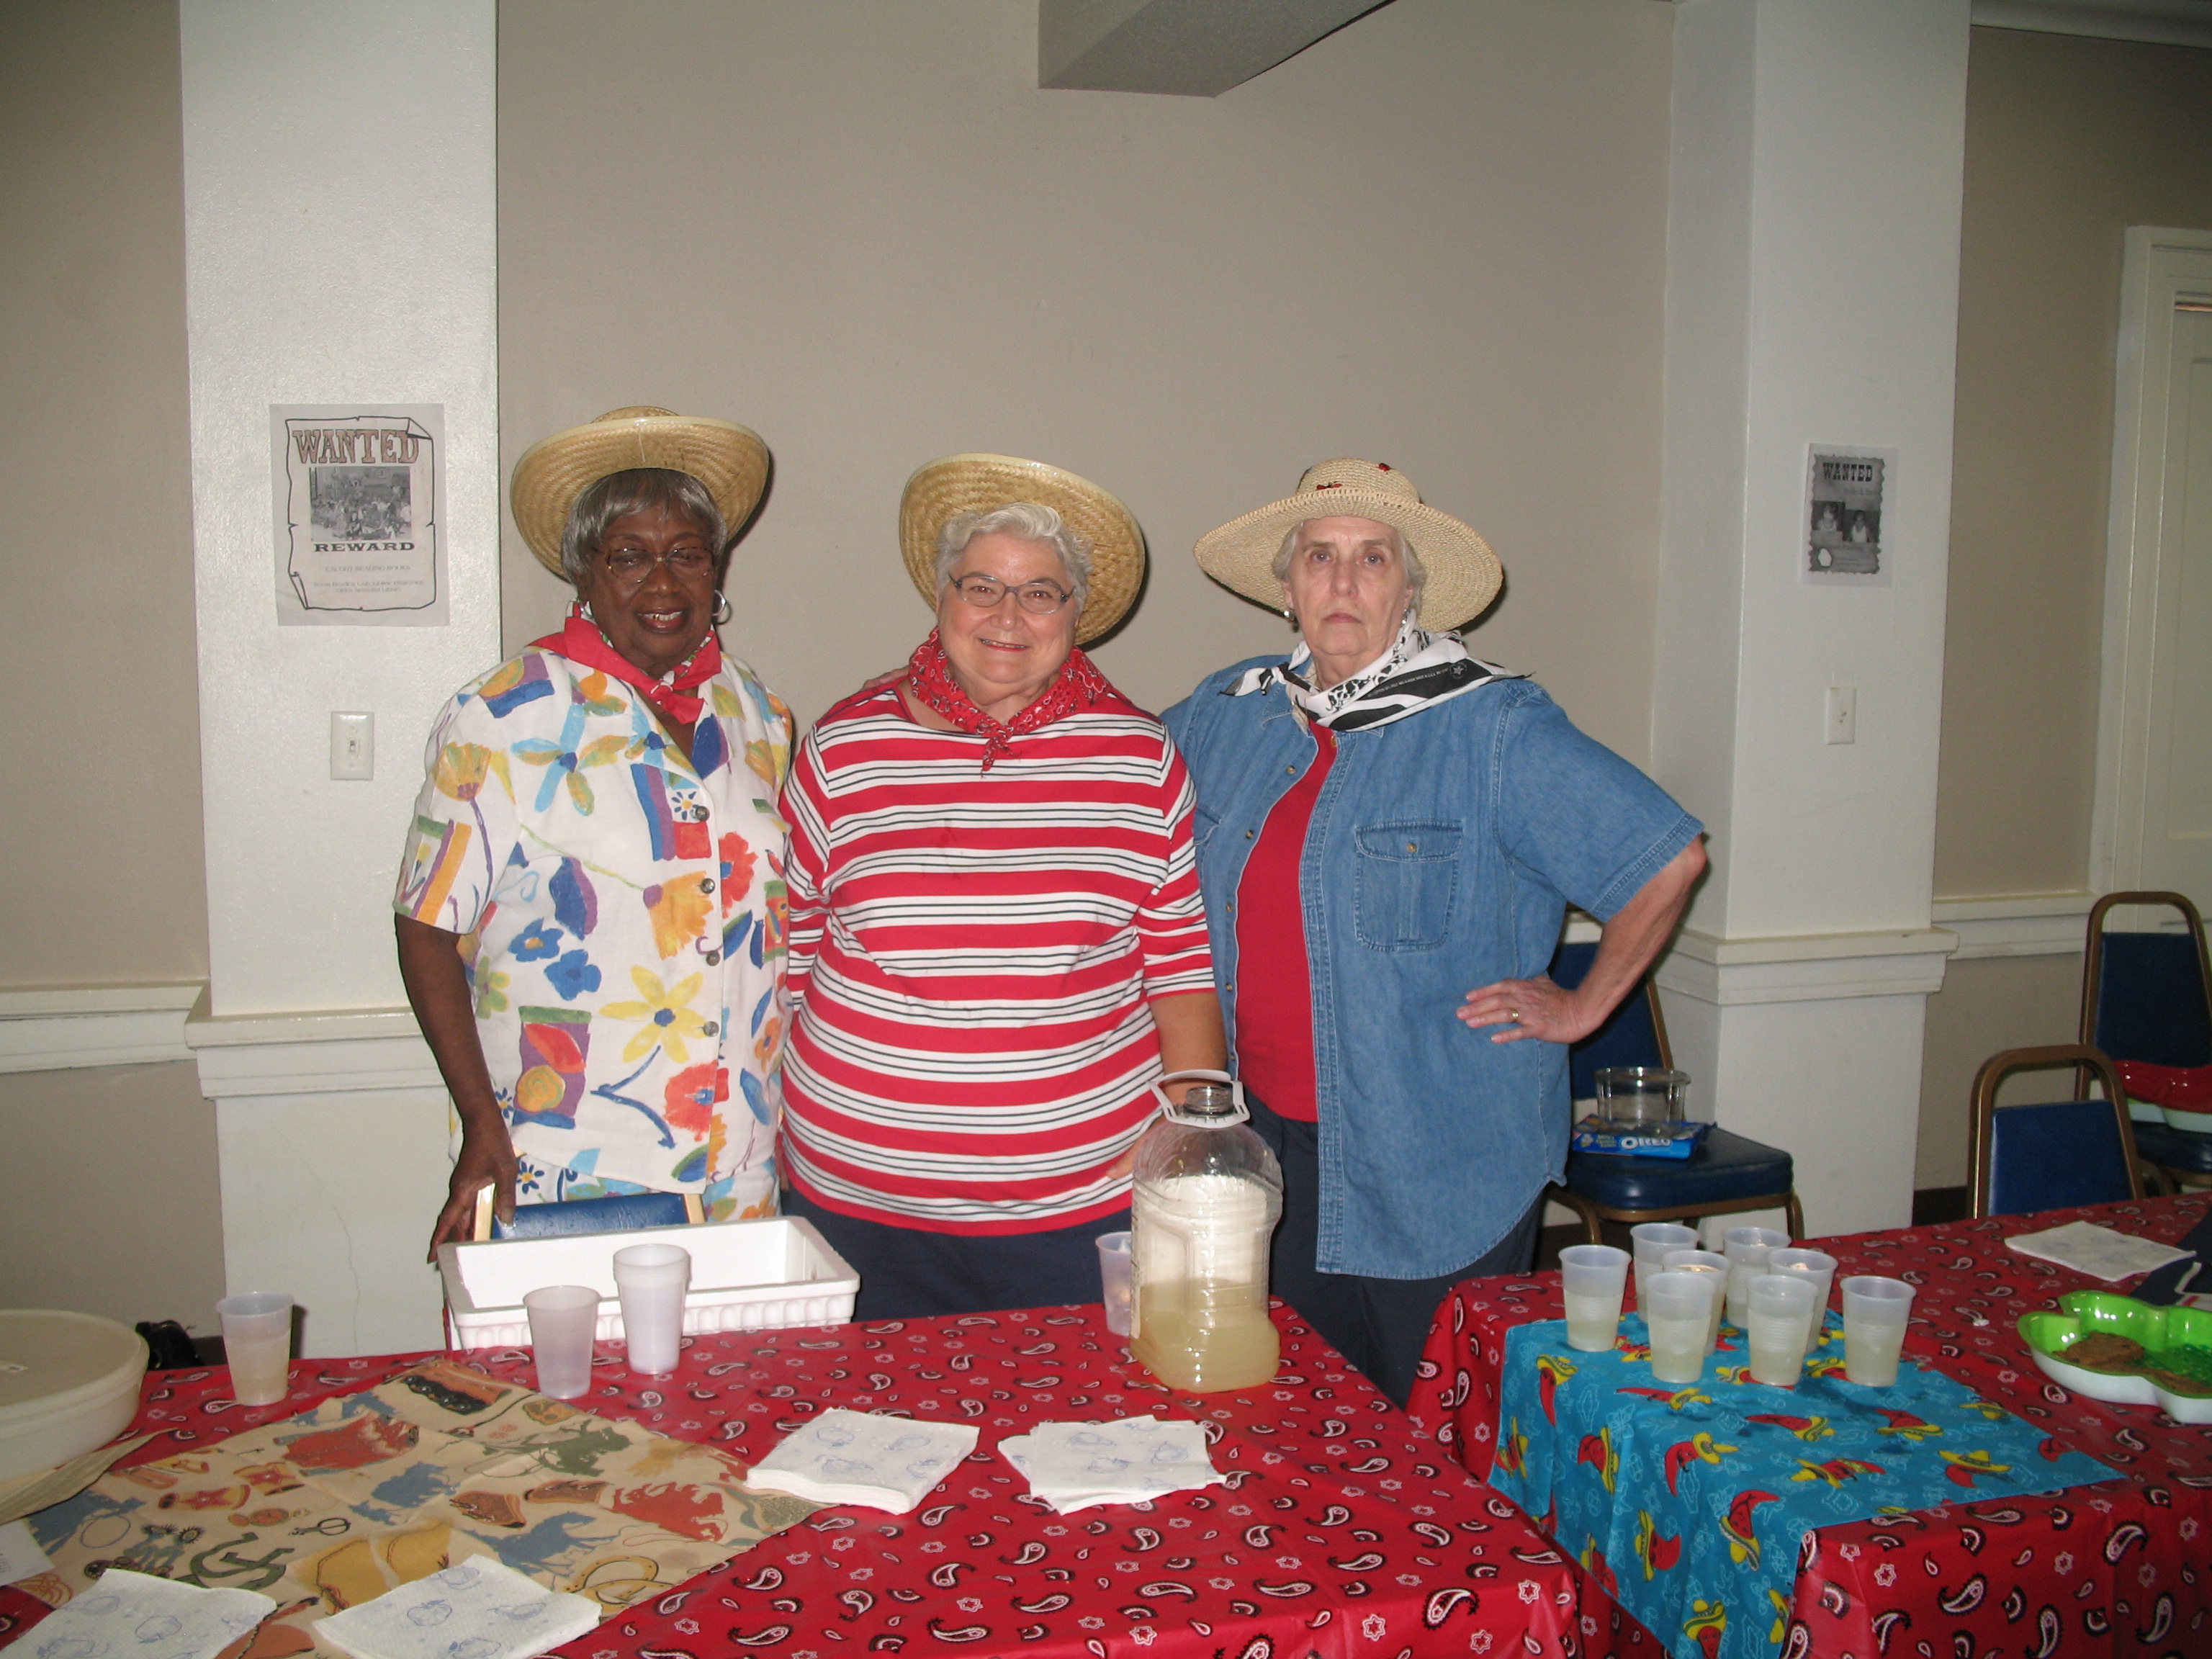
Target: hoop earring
[723,610]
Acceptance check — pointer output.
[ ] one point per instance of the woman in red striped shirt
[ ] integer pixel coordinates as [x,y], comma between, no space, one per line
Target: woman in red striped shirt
[997,943]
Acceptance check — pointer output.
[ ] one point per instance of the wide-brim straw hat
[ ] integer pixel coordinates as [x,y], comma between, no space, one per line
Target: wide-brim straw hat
[1463,574]
[730,459]
[953,484]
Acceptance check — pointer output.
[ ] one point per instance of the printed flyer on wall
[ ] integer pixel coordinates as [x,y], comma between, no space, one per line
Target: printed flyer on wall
[360,499]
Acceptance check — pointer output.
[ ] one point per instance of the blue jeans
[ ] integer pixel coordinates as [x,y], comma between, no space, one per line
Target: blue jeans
[1379,1325]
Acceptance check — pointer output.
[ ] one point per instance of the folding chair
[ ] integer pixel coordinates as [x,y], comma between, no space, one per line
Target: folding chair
[2054,1155]
[1727,1173]
[2147,997]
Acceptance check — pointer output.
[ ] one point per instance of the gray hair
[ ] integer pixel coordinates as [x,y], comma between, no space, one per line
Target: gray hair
[639,489]
[1030,520]
[1417,573]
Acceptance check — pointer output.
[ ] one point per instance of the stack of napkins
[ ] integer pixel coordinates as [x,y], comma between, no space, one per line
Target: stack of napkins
[2097,1251]
[855,1457]
[147,1618]
[1074,1466]
[479,1609]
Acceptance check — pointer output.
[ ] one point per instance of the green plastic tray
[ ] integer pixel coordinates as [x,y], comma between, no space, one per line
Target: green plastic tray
[2048,1335]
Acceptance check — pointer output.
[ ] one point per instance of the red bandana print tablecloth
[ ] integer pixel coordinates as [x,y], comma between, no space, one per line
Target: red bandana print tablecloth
[1342,1532]
[2118,1568]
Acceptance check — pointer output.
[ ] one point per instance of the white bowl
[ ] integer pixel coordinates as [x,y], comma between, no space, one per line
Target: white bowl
[69,1381]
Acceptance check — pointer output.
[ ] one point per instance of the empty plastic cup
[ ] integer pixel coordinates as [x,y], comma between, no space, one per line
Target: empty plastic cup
[1114,1281]
[1703,1262]
[1650,1241]
[1875,1311]
[256,1341]
[1781,1323]
[1593,1279]
[1817,1265]
[1677,1314]
[1746,1249]
[651,1281]
[563,1319]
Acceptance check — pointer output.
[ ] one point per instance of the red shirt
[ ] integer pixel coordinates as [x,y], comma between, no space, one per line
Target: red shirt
[1274,995]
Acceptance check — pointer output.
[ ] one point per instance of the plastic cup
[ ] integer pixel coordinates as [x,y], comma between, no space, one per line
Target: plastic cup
[1114,1281]
[1875,1311]
[1817,1265]
[1747,1248]
[1781,1323]
[651,1281]
[1593,1279]
[1677,1313]
[563,1319]
[256,1341]
[1703,1262]
[1651,1241]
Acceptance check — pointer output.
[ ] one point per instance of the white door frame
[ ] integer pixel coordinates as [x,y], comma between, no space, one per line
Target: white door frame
[2161,265]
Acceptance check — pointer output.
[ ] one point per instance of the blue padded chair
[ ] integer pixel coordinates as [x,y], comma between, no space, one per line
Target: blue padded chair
[622,1213]
[1727,1173]
[2148,997]
[2055,1156]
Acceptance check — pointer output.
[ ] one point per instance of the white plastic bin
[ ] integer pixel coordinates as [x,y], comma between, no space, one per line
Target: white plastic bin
[746,1276]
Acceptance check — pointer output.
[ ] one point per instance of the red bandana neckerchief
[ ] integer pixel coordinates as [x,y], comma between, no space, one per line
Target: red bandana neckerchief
[580,641]
[1078,685]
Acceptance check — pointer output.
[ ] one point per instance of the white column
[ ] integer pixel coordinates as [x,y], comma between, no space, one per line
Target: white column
[340,216]
[1812,297]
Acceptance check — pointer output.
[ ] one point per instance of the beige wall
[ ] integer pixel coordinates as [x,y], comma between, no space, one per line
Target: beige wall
[2069,142]
[1987,1004]
[100,868]
[108,1194]
[108,1200]
[1435,238]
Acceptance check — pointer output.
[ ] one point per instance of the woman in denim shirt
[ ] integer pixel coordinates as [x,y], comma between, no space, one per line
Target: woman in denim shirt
[1383,823]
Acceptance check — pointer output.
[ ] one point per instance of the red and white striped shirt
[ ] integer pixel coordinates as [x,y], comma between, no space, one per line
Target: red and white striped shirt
[971,954]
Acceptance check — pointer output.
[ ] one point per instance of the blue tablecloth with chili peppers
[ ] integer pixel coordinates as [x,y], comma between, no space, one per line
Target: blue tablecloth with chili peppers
[1688,1503]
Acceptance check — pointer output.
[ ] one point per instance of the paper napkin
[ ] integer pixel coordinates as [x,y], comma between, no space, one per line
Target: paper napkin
[855,1457]
[1077,1466]
[480,1609]
[2097,1251]
[147,1618]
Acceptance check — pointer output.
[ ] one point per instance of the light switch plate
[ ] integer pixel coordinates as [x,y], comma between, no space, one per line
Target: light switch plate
[353,746]
[1843,722]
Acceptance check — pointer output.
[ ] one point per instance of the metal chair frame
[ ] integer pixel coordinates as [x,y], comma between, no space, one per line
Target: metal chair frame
[2093,976]
[1594,1215]
[2086,1060]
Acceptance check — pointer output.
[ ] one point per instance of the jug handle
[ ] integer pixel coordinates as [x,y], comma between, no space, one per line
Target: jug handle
[1174,1114]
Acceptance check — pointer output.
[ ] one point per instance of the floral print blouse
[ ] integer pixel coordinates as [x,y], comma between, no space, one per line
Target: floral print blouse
[624,920]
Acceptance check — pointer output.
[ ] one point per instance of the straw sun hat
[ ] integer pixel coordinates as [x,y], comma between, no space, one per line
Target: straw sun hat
[730,459]
[1463,574]
[953,484]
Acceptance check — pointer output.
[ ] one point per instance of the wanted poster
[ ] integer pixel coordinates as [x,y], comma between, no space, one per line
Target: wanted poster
[1847,508]
[360,499]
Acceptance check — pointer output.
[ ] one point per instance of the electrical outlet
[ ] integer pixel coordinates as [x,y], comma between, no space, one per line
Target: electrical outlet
[1843,722]
[353,746]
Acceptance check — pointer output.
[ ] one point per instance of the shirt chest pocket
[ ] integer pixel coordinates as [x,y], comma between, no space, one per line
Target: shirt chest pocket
[1407,880]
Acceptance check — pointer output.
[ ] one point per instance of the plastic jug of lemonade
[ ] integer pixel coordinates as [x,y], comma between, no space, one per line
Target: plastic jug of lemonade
[1208,1194]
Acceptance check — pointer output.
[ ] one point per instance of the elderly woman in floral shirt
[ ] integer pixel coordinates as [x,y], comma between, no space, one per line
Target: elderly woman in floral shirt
[591,912]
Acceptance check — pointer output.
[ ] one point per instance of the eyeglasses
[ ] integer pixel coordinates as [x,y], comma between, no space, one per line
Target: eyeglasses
[987,592]
[630,565]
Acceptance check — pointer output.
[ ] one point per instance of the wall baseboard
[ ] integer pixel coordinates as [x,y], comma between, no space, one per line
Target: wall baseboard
[2027,925]
[58,1027]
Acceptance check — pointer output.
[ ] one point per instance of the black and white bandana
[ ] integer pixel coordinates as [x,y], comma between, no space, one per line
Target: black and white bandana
[1418,671]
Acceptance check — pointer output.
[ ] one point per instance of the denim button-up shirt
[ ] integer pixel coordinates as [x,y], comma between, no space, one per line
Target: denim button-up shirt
[1442,854]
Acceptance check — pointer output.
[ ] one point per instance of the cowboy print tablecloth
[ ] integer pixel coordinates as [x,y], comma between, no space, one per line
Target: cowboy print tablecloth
[330,1509]
[2124,1567]
[1688,1502]
[1340,1530]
